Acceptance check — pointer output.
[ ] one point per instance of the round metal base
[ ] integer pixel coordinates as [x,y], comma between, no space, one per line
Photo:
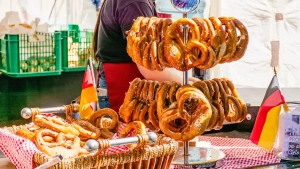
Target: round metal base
[199,157]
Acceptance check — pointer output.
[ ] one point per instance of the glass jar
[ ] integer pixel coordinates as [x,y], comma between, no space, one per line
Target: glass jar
[287,144]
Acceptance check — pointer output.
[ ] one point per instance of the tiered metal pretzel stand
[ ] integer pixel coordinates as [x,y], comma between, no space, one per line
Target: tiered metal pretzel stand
[203,157]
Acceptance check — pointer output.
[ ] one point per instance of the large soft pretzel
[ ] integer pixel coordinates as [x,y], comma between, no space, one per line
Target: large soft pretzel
[174,43]
[197,120]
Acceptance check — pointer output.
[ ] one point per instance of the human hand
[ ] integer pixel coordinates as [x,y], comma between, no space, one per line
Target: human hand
[191,80]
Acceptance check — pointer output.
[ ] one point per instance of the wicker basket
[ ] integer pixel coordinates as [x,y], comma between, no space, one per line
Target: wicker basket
[156,156]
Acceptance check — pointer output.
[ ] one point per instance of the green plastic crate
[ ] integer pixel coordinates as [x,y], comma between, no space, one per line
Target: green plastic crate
[30,56]
[76,48]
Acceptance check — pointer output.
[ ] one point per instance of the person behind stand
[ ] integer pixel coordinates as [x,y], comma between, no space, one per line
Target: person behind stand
[116,68]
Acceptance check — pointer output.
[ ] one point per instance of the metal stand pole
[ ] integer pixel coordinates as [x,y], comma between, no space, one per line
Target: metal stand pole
[185,81]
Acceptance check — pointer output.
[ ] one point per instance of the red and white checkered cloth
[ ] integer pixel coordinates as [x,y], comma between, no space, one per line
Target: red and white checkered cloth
[20,151]
[239,152]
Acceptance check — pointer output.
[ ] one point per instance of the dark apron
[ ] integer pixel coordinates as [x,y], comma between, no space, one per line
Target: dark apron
[118,76]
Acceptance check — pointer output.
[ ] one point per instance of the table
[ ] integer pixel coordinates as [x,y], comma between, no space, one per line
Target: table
[6,164]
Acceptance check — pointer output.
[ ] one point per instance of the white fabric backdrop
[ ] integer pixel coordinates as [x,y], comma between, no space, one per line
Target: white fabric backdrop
[253,70]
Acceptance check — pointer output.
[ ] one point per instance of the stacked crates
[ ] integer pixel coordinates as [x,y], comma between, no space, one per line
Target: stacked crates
[25,55]
[45,54]
[76,48]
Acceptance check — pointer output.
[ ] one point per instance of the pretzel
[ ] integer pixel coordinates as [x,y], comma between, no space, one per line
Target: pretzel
[160,54]
[152,91]
[130,94]
[56,124]
[154,56]
[138,91]
[201,85]
[131,34]
[161,98]
[195,61]
[146,56]
[231,87]
[197,121]
[221,115]
[172,92]
[231,38]
[144,117]
[174,46]
[234,111]
[244,110]
[153,117]
[25,133]
[203,28]
[136,113]
[138,49]
[86,129]
[211,61]
[67,145]
[99,114]
[243,40]
[214,118]
[129,111]
[145,91]
[220,34]
[133,128]
[223,96]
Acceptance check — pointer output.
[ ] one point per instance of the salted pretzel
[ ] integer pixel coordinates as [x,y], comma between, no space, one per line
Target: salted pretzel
[131,35]
[221,37]
[203,27]
[86,129]
[160,54]
[66,145]
[243,40]
[174,47]
[197,120]
[144,117]
[99,114]
[56,124]
[231,38]
[161,96]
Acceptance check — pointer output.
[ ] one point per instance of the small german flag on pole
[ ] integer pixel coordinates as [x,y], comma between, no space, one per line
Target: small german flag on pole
[267,121]
[88,96]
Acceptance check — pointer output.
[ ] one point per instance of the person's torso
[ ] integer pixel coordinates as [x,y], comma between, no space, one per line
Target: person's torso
[111,42]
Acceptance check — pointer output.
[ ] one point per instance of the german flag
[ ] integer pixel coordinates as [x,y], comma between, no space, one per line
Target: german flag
[88,96]
[266,125]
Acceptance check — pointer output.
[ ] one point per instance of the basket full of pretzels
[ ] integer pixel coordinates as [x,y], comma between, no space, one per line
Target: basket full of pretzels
[68,137]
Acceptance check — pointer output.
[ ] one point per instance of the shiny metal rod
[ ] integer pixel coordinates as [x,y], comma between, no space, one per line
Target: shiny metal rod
[26,113]
[185,81]
[93,145]
[50,163]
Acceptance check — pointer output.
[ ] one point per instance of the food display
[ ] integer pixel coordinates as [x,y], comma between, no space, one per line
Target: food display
[183,112]
[53,135]
[158,43]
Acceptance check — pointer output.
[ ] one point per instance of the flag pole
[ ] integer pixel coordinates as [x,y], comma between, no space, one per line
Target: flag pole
[285,105]
[275,70]
[94,78]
